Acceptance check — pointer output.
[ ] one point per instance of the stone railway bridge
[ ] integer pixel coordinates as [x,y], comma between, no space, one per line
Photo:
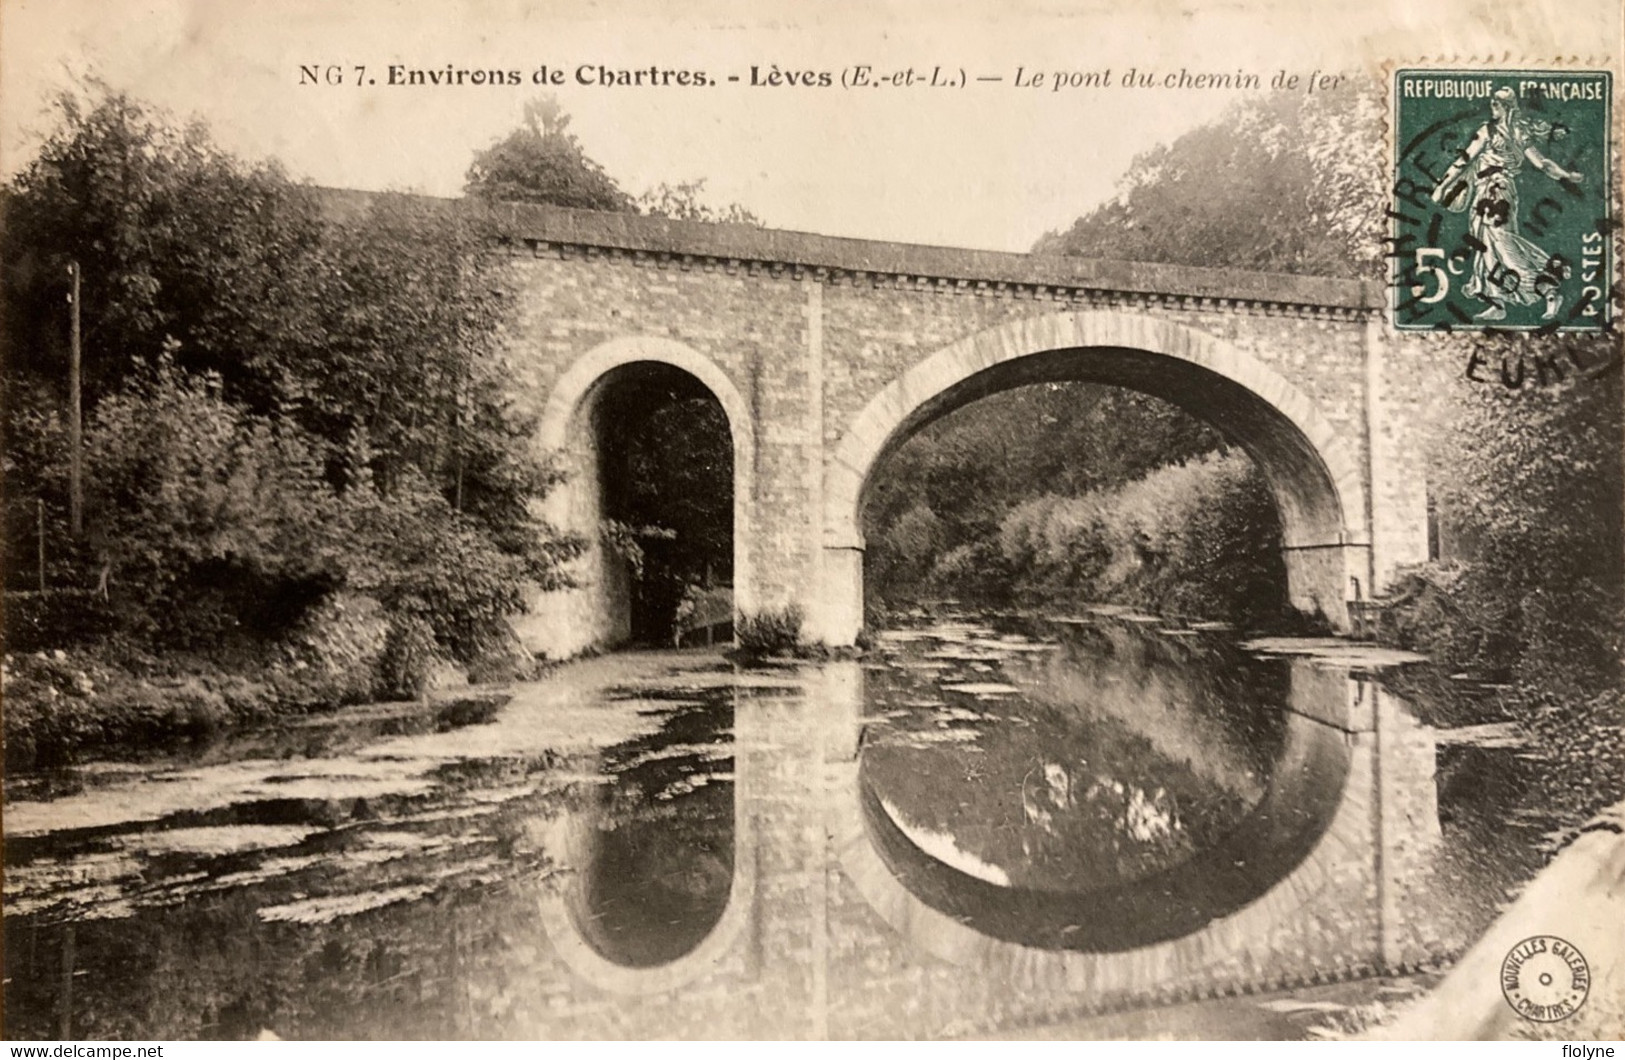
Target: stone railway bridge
[826,354]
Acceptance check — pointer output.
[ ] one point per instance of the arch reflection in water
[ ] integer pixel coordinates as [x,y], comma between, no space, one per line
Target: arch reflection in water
[1122,789]
[648,846]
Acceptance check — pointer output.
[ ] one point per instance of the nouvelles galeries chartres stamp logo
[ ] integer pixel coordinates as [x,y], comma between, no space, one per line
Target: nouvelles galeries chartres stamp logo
[1545,978]
[1500,212]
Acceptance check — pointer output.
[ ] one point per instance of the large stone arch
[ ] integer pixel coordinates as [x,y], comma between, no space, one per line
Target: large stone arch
[1317,480]
[1334,875]
[565,622]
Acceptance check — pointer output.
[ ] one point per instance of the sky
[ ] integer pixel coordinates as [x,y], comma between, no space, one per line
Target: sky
[993,164]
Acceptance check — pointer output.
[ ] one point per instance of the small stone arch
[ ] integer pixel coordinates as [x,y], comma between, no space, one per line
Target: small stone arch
[565,622]
[1317,480]
[722,951]
[716,952]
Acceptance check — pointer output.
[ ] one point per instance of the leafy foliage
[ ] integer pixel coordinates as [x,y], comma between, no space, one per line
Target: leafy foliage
[543,162]
[682,201]
[409,655]
[1197,538]
[1532,494]
[192,497]
[180,244]
[771,631]
[937,505]
[281,404]
[626,542]
[1283,183]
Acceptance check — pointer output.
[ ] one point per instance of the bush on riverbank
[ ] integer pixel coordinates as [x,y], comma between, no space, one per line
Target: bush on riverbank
[935,505]
[62,704]
[1532,588]
[117,694]
[769,632]
[1199,538]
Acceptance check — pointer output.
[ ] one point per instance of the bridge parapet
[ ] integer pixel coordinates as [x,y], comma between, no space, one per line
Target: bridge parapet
[526,228]
[556,230]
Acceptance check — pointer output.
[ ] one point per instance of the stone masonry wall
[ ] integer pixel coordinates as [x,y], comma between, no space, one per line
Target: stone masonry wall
[808,341]
[750,322]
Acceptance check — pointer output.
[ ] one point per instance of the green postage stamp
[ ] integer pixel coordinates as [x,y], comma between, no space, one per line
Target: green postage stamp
[1500,213]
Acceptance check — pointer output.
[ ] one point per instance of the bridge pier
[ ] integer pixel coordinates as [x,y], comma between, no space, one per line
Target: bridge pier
[594,612]
[1320,579]
[835,609]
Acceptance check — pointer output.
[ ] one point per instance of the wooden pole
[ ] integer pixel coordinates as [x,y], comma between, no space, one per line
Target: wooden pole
[76,471]
[40,526]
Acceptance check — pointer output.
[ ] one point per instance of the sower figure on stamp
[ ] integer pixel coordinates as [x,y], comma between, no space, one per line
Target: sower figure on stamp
[1484,181]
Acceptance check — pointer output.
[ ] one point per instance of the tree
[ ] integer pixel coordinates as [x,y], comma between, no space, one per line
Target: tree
[343,374]
[207,517]
[178,243]
[1280,184]
[543,162]
[682,202]
[1536,493]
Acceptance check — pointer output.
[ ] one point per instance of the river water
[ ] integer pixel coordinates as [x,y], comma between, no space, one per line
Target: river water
[987,825]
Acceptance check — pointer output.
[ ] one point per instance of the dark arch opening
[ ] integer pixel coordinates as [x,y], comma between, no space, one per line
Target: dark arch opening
[666,478]
[1062,493]
[1306,500]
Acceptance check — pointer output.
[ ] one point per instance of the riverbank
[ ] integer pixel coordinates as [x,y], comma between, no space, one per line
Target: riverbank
[376,870]
[1579,898]
[64,706]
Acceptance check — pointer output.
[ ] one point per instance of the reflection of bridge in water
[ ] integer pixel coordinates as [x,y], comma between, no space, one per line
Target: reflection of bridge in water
[835,926]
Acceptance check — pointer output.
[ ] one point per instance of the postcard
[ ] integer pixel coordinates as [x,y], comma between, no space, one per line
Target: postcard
[548,519]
